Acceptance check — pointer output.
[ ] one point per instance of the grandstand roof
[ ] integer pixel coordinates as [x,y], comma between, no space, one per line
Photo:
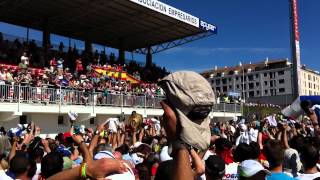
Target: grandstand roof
[131,24]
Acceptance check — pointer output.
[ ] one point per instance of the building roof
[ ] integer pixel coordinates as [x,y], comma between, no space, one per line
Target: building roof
[127,24]
[262,65]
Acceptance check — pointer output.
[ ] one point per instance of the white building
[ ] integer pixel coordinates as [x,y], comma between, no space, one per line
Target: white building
[265,82]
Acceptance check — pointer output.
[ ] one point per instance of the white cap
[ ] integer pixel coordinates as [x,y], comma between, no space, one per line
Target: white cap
[249,168]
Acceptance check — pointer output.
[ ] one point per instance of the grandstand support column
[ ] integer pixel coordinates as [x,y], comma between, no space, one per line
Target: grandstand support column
[149,58]
[88,45]
[122,53]
[45,41]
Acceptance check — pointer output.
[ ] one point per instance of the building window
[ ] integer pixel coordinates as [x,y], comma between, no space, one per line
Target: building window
[257,84]
[309,77]
[265,74]
[271,83]
[250,78]
[258,92]
[251,94]
[238,87]
[282,90]
[237,78]
[281,81]
[266,83]
[266,91]
[280,73]
[229,79]
[218,89]
[218,82]
[257,75]
[225,88]
[224,81]
[251,85]
[230,87]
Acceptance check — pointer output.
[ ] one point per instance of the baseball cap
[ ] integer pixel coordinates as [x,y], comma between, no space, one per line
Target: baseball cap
[249,168]
[215,166]
[192,98]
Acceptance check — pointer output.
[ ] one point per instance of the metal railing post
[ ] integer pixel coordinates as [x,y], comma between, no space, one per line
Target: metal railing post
[19,93]
[60,97]
[93,101]
[121,99]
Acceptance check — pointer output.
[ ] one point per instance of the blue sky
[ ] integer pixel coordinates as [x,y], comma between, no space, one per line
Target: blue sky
[249,31]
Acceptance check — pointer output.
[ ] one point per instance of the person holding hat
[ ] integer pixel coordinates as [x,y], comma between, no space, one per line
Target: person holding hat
[189,100]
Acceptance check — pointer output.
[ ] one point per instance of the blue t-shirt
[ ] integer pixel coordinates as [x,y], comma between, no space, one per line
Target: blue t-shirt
[280,176]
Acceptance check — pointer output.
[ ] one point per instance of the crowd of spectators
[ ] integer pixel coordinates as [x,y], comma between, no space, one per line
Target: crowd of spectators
[73,71]
[225,98]
[272,149]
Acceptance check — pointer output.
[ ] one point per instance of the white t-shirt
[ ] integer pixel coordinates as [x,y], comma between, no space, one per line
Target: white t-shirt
[113,124]
[3,176]
[253,135]
[308,176]
[36,175]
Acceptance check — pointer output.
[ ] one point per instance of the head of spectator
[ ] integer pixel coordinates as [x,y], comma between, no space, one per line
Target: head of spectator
[275,154]
[214,167]
[244,152]
[22,167]
[165,170]
[310,158]
[51,164]
[224,150]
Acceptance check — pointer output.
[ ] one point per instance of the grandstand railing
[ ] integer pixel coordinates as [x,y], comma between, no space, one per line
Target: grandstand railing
[64,96]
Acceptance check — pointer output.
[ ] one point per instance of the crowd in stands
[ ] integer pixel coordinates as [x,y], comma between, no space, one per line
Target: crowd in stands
[225,98]
[70,70]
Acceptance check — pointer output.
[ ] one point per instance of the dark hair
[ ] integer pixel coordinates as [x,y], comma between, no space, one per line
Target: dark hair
[144,173]
[242,152]
[36,153]
[215,167]
[165,170]
[297,142]
[246,151]
[51,164]
[123,149]
[274,153]
[21,164]
[222,144]
[255,150]
[309,156]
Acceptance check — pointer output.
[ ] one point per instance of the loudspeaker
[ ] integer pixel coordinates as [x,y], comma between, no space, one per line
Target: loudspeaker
[60,119]
[23,119]
[92,120]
